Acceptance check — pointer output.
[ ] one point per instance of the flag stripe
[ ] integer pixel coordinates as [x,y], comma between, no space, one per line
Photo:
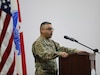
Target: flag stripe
[6,53]
[12,67]
[19,12]
[23,54]
[6,23]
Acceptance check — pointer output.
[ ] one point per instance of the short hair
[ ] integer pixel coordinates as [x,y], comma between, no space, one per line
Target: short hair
[44,23]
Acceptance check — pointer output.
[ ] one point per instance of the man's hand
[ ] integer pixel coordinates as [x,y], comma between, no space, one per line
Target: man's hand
[63,54]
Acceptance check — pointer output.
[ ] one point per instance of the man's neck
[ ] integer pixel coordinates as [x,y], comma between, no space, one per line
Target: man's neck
[45,37]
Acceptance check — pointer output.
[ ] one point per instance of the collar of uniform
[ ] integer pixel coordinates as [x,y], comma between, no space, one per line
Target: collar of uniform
[46,40]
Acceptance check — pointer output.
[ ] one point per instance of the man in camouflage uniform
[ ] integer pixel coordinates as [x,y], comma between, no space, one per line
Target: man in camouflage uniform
[46,50]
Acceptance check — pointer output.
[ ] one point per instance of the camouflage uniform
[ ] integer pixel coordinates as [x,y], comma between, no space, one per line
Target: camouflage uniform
[45,51]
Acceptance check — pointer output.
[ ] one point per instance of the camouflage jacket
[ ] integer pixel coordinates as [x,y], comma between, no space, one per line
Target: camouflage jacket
[45,51]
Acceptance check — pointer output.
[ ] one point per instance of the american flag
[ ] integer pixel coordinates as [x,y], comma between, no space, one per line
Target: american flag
[12,52]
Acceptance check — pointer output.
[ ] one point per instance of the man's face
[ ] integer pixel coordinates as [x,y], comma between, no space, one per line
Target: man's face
[47,31]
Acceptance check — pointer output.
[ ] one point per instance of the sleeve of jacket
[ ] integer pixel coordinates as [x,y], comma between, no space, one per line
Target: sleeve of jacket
[64,49]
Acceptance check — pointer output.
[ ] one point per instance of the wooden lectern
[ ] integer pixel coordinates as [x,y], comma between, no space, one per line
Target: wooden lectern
[77,64]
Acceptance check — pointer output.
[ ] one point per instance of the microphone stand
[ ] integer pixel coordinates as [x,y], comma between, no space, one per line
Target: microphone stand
[94,50]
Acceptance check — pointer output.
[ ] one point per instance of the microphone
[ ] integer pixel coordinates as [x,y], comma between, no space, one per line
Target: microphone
[69,38]
[74,40]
